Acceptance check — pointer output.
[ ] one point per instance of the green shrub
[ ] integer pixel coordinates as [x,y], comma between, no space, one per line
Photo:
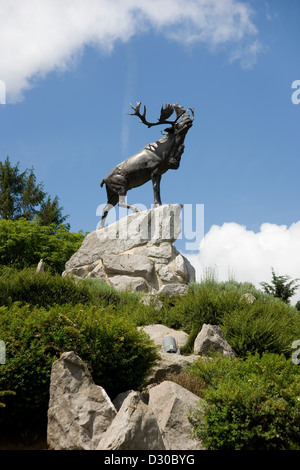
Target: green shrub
[118,355]
[250,404]
[206,302]
[23,243]
[56,314]
[262,326]
[28,287]
[105,294]
[267,324]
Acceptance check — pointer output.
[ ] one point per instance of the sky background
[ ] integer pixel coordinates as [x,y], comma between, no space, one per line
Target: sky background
[71,69]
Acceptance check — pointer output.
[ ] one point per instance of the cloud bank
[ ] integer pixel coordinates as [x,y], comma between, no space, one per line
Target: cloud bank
[41,36]
[232,251]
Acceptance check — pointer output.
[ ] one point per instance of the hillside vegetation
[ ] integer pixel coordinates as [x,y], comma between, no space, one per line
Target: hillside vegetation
[251,402]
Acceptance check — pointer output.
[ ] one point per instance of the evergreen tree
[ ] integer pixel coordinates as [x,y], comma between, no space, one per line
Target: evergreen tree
[282,287]
[31,196]
[11,187]
[21,196]
[51,213]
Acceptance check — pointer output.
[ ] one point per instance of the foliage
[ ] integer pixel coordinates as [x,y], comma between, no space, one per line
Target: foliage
[43,315]
[20,196]
[282,288]
[262,326]
[50,213]
[23,243]
[104,294]
[250,404]
[118,355]
[206,302]
[19,193]
[28,287]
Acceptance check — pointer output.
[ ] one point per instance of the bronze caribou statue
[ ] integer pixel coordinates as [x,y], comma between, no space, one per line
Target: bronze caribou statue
[152,161]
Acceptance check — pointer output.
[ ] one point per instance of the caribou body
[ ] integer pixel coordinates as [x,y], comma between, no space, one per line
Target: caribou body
[151,162]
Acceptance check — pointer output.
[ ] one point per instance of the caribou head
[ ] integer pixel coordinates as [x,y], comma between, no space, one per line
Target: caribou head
[182,121]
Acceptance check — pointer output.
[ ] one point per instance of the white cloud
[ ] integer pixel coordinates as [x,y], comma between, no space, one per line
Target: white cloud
[40,36]
[235,252]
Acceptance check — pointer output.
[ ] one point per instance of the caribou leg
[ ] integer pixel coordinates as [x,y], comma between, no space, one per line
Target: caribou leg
[112,200]
[156,177]
[123,203]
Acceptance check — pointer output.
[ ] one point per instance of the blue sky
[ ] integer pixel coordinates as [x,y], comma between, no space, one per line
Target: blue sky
[71,69]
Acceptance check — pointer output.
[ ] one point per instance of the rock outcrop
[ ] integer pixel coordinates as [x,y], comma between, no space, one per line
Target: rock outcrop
[134,428]
[158,332]
[169,364]
[171,404]
[79,411]
[211,338]
[82,416]
[136,253]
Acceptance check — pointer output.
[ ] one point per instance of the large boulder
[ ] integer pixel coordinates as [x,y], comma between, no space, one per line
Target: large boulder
[158,332]
[169,364]
[210,339]
[136,253]
[134,428]
[79,411]
[171,404]
[81,416]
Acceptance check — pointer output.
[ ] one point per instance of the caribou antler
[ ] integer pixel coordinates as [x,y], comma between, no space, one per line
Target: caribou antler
[165,113]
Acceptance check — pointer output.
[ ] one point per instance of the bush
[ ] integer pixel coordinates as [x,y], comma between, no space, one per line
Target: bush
[262,326]
[118,355]
[29,287]
[267,324]
[23,243]
[54,314]
[250,404]
[206,302]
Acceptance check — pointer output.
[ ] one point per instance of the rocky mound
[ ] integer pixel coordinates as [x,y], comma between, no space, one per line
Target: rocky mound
[136,253]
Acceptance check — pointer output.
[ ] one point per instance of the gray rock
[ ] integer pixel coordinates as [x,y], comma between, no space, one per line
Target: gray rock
[169,364]
[171,404]
[158,250]
[151,299]
[139,249]
[129,264]
[180,266]
[134,428]
[211,338]
[40,267]
[166,275]
[248,297]
[158,225]
[173,289]
[79,411]
[133,284]
[158,332]
[119,399]
[98,271]
[191,273]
